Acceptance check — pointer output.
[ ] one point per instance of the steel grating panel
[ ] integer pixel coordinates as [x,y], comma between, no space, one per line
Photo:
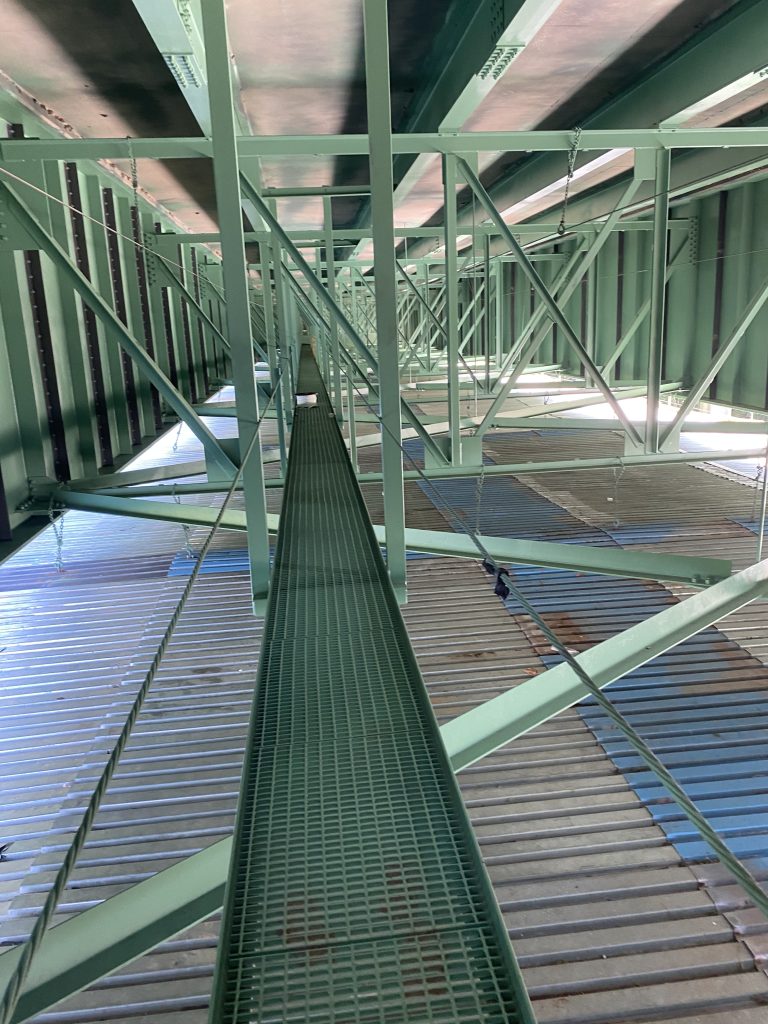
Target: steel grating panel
[356,892]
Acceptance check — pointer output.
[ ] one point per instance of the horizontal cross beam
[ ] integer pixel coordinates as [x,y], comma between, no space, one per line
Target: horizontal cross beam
[358,145]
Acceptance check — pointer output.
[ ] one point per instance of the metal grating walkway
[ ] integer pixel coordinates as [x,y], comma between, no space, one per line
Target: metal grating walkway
[357,892]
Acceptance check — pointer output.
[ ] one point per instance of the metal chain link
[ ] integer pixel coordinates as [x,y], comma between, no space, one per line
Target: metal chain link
[188,551]
[134,177]
[759,473]
[57,525]
[479,497]
[618,473]
[569,177]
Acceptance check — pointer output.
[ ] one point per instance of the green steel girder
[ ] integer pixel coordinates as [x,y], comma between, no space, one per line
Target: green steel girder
[378,103]
[502,719]
[226,174]
[457,143]
[307,239]
[605,561]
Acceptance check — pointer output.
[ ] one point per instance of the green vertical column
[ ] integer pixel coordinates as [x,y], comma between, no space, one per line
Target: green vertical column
[382,220]
[274,367]
[227,182]
[322,340]
[205,335]
[590,337]
[452,305]
[191,316]
[184,366]
[352,426]
[658,289]
[154,293]
[500,311]
[82,450]
[284,333]
[16,315]
[111,358]
[133,307]
[330,268]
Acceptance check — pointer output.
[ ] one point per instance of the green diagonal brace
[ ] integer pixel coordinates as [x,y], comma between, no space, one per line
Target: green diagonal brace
[579,558]
[521,708]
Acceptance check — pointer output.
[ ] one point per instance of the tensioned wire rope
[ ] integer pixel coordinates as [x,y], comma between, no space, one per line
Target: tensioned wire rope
[733,863]
[14,988]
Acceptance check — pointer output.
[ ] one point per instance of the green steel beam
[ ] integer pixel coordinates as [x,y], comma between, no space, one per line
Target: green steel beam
[377,93]
[330,278]
[248,146]
[658,298]
[502,719]
[226,176]
[267,259]
[311,238]
[699,572]
[605,561]
[578,423]
[450,182]
[147,475]
[117,329]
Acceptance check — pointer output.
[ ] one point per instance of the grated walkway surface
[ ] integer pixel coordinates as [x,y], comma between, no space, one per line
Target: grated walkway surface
[357,892]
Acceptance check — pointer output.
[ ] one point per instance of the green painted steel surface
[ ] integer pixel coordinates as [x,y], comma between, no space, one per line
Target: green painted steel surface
[357,892]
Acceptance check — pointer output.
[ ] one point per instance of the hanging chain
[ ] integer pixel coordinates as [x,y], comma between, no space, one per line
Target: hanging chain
[188,550]
[569,177]
[758,477]
[176,439]
[479,496]
[618,473]
[134,176]
[57,525]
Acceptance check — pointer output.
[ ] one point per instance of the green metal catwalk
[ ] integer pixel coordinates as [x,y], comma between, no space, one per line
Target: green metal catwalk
[357,892]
